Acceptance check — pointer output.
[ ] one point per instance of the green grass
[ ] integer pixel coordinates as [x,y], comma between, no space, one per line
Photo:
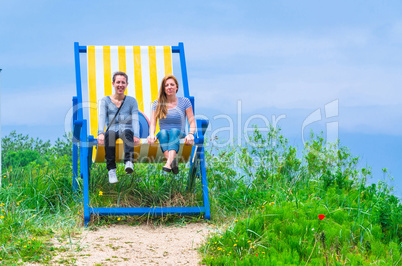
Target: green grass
[264,196]
[273,200]
[36,204]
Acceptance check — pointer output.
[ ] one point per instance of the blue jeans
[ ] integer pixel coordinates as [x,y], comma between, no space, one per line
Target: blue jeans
[170,140]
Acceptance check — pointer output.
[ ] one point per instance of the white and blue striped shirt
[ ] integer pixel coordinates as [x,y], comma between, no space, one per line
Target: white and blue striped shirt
[176,117]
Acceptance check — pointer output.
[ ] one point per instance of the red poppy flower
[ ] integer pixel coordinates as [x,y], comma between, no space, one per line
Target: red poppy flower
[321,216]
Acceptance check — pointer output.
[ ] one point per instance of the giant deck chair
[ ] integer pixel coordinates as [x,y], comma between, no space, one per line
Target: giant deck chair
[145,67]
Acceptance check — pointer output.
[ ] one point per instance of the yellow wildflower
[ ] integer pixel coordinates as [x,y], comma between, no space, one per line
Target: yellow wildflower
[235,245]
[2,217]
[100,193]
[118,219]
[236,220]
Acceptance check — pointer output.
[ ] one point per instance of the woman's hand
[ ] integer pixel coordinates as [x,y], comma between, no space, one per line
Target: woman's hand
[189,139]
[101,139]
[137,141]
[151,139]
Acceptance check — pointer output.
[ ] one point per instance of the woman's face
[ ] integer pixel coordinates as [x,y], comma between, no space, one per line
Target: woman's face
[170,87]
[120,84]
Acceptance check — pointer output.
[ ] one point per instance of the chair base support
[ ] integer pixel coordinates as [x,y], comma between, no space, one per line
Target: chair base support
[118,211]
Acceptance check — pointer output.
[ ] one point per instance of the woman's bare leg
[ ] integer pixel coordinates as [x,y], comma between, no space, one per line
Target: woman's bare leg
[170,158]
[166,154]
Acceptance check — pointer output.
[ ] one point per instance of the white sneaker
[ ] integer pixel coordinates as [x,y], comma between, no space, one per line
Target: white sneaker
[129,167]
[113,176]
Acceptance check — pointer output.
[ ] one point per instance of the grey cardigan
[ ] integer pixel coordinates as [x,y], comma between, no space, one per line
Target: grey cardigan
[126,119]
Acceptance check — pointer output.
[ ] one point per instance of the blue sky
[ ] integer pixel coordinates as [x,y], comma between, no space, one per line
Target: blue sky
[277,57]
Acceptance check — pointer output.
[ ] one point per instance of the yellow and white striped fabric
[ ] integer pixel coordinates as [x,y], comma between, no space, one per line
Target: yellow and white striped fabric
[145,66]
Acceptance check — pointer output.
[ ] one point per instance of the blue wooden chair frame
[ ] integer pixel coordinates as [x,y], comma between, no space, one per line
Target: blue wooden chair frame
[83,143]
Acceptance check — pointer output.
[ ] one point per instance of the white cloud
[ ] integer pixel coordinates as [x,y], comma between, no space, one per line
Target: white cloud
[36,106]
[207,46]
[302,87]
[286,70]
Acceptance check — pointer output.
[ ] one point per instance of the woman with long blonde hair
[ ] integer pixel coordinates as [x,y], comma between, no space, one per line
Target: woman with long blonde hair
[171,111]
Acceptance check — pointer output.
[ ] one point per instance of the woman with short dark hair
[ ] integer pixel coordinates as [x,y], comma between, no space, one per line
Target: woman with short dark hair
[120,113]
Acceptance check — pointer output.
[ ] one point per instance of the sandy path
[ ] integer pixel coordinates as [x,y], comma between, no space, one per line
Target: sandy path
[137,245]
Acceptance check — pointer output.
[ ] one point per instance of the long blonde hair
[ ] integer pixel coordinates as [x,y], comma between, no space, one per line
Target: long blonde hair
[161,107]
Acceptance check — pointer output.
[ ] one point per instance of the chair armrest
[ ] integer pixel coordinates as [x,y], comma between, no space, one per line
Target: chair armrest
[77,125]
[202,125]
[92,141]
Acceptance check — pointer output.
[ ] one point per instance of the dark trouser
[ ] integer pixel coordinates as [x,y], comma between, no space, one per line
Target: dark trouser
[110,147]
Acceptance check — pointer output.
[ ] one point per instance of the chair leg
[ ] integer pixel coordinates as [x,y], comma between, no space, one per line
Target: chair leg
[75,166]
[204,183]
[85,177]
[84,167]
[89,161]
[193,169]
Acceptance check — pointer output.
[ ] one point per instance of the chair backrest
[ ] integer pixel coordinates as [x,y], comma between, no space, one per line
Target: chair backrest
[145,66]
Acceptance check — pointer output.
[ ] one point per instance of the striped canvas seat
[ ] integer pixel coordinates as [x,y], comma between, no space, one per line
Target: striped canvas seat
[145,66]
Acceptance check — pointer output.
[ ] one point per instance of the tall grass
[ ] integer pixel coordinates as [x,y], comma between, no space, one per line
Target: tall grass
[35,198]
[266,197]
[38,204]
[148,186]
[272,201]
